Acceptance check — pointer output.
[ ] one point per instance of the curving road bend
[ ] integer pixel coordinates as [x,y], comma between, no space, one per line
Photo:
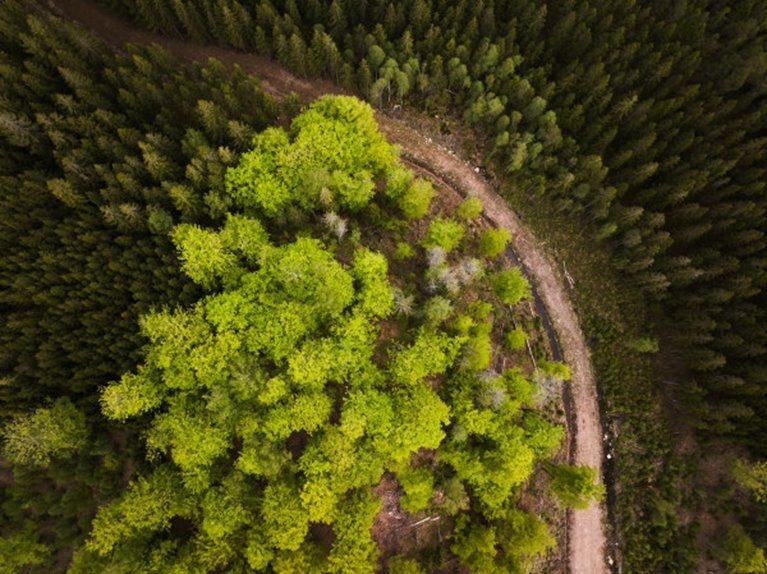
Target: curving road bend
[586,538]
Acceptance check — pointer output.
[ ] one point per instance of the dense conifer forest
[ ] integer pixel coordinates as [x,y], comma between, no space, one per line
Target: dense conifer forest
[213,321]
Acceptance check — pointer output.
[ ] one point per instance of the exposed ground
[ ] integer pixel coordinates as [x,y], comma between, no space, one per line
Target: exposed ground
[586,540]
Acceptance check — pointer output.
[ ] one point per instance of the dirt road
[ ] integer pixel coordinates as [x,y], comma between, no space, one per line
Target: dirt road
[586,538]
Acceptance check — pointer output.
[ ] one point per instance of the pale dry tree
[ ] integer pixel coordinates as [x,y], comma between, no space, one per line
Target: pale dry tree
[548,387]
[435,257]
[326,196]
[335,224]
[468,270]
[492,393]
[449,279]
[403,304]
[489,375]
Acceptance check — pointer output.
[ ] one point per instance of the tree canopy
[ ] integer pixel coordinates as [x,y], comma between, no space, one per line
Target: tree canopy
[269,405]
[214,358]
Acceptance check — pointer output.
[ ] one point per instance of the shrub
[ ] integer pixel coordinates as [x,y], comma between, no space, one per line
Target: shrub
[510,286]
[644,344]
[470,208]
[415,202]
[444,233]
[515,339]
[575,486]
[493,241]
[555,369]
[403,251]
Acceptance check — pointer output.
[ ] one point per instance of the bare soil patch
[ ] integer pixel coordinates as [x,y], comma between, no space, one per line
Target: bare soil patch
[400,533]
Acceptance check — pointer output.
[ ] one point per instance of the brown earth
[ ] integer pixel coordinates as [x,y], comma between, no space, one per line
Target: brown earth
[586,539]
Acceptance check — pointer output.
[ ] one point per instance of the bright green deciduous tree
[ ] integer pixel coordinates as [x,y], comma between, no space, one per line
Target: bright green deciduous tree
[147,506]
[419,416]
[309,557]
[543,437]
[555,369]
[510,286]
[224,508]
[375,292]
[416,199]
[193,436]
[515,338]
[49,432]
[398,179]
[492,470]
[437,310]
[475,544]
[21,550]
[305,272]
[403,251]
[258,551]
[523,536]
[134,394]
[254,183]
[402,565]
[431,353]
[477,352]
[204,257]
[285,521]
[444,233]
[245,236]
[332,156]
[419,487]
[354,550]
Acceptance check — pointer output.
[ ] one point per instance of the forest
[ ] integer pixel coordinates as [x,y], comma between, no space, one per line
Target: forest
[226,319]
